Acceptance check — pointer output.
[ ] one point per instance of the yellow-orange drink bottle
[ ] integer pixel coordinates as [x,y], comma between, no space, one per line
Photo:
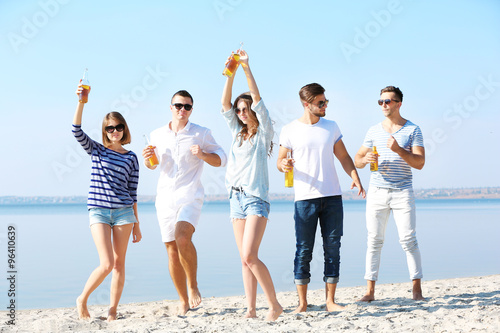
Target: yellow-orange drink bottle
[84,95]
[231,66]
[374,165]
[153,160]
[289,174]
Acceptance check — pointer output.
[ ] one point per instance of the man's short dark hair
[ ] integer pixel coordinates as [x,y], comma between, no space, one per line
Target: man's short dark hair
[309,92]
[182,93]
[393,89]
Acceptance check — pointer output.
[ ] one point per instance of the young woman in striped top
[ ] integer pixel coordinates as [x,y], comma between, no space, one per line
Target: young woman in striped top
[112,204]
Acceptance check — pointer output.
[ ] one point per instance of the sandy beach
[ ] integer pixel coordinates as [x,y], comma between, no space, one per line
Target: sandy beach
[451,305]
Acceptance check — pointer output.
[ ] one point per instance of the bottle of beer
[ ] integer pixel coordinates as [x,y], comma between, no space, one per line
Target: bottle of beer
[233,63]
[289,174]
[374,165]
[153,160]
[84,95]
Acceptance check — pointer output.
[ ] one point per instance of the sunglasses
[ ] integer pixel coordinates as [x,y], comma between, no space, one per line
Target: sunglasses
[111,129]
[186,107]
[322,104]
[386,101]
[238,110]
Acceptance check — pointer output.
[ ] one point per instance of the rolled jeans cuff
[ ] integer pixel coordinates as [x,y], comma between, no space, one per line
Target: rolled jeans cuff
[331,279]
[302,281]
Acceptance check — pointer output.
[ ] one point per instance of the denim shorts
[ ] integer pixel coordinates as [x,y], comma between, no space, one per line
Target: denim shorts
[112,216]
[244,205]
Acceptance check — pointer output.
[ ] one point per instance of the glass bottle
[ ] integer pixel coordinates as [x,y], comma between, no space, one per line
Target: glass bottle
[289,174]
[374,165]
[84,95]
[153,160]
[233,63]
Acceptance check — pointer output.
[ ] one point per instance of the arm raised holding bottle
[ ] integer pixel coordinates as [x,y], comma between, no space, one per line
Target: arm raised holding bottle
[252,85]
[247,182]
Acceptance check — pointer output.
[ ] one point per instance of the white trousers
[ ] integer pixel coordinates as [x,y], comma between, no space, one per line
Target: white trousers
[379,204]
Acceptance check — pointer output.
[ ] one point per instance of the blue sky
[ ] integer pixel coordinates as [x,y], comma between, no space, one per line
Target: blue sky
[442,54]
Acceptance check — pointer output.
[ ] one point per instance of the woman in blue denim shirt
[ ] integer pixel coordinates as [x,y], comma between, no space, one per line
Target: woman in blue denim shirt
[247,182]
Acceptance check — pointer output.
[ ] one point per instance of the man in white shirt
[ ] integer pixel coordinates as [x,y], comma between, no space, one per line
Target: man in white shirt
[314,143]
[400,147]
[182,149]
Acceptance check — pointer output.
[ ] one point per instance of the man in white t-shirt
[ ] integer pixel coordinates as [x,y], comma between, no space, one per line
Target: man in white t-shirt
[314,143]
[183,148]
[400,147]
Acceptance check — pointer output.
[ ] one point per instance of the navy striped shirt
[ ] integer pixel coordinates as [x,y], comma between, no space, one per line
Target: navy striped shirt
[393,171]
[115,176]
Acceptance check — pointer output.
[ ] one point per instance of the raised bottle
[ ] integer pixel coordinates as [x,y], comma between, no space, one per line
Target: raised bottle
[233,63]
[84,95]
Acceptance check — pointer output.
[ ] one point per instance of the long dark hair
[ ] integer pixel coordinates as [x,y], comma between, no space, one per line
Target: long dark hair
[248,131]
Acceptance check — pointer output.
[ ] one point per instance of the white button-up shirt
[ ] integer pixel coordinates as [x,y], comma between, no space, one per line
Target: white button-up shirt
[180,170]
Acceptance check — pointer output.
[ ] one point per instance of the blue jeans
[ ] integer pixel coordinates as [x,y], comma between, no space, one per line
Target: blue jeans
[330,212]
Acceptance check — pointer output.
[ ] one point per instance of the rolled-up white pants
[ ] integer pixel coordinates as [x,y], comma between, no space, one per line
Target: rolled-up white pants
[379,204]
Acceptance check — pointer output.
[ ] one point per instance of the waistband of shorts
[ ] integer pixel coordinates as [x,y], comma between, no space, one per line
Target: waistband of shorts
[391,189]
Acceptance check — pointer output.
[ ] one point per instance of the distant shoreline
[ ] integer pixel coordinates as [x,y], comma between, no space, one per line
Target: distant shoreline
[444,193]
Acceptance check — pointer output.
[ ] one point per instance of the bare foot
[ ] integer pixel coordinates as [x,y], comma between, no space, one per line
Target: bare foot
[111,314]
[417,296]
[274,313]
[417,290]
[81,308]
[300,308]
[251,314]
[182,309]
[332,306]
[194,298]
[367,298]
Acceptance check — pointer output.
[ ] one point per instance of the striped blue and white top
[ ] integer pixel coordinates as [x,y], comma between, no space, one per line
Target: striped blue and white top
[115,176]
[393,172]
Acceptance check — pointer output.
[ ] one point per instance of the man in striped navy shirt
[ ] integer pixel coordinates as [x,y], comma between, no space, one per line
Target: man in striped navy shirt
[400,147]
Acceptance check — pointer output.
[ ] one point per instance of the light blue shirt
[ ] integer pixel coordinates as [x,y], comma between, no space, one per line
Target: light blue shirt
[247,164]
[393,172]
